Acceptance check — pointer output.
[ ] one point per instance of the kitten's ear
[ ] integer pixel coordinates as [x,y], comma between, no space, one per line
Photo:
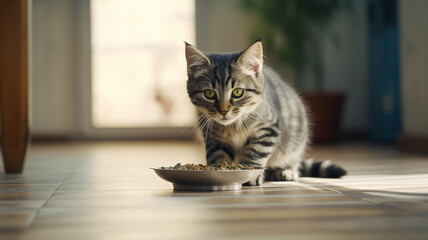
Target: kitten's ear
[197,62]
[251,60]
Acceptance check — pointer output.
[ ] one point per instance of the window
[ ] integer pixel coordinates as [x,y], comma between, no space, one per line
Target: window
[138,63]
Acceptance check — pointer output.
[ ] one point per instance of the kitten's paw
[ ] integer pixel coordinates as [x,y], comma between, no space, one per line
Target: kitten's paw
[289,175]
[282,175]
[255,182]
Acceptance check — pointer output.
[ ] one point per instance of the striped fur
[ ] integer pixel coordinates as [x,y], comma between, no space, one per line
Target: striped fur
[266,127]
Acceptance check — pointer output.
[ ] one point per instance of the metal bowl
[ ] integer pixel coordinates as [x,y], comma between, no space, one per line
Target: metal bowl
[207,180]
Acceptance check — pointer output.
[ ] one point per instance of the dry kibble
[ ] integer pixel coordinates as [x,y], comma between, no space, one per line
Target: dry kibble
[215,166]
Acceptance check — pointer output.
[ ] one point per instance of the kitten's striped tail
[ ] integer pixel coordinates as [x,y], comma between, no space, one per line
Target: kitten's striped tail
[324,169]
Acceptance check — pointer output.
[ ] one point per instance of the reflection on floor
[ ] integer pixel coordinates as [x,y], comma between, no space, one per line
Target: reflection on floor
[106,191]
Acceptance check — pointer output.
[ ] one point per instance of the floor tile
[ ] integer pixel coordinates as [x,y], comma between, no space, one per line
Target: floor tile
[18,219]
[105,190]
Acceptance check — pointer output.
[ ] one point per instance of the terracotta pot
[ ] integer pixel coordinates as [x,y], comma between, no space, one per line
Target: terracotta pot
[325,110]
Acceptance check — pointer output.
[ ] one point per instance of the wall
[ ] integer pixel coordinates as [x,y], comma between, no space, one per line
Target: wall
[414,66]
[53,76]
[221,26]
[345,65]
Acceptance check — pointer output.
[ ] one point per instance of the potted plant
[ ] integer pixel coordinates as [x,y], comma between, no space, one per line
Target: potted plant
[291,31]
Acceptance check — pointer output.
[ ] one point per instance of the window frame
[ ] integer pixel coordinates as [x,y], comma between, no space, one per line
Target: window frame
[83,91]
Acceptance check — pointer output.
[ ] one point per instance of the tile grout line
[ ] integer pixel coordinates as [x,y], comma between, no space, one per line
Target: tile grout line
[34,218]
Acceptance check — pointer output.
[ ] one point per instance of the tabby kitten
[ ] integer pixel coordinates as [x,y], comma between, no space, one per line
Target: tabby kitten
[248,115]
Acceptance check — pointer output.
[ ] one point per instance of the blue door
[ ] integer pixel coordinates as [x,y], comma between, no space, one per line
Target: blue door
[384,71]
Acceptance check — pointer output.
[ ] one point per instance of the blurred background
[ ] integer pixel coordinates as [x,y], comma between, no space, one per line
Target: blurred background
[110,69]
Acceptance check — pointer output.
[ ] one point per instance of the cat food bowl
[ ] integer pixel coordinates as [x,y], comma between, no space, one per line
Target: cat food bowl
[207,180]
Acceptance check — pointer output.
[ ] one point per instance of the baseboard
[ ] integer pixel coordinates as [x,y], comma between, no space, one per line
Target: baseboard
[361,135]
[50,138]
[415,144]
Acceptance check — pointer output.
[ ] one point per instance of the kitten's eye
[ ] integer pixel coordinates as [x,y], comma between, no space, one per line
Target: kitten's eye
[237,92]
[210,94]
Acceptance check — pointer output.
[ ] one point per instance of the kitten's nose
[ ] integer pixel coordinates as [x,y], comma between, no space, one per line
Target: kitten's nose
[223,112]
[223,109]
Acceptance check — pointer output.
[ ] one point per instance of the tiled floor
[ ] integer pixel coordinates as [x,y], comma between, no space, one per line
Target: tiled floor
[106,191]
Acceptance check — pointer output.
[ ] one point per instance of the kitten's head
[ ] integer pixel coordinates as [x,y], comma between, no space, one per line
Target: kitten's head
[225,87]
